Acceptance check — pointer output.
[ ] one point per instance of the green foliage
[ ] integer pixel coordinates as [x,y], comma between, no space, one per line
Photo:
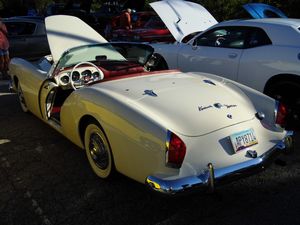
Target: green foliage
[221,9]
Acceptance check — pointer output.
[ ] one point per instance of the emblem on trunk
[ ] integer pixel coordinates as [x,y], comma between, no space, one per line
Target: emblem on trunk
[201,108]
[150,93]
[218,105]
[229,116]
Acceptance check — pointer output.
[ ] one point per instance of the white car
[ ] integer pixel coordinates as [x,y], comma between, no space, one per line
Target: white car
[263,54]
[171,130]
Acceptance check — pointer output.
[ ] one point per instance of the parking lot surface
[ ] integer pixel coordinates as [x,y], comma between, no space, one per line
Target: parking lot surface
[45,179]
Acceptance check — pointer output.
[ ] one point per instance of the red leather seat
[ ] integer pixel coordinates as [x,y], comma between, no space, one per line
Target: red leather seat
[114,73]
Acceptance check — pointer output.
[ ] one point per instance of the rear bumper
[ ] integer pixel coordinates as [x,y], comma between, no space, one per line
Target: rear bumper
[215,177]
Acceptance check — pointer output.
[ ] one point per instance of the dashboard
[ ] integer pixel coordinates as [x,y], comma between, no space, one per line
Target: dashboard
[80,76]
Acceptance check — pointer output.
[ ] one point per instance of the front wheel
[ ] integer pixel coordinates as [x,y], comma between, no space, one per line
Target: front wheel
[98,151]
[21,98]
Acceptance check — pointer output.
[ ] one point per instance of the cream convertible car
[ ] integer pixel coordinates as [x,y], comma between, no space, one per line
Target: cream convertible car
[173,131]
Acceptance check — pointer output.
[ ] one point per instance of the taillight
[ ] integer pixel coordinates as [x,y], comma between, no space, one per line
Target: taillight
[280,114]
[175,150]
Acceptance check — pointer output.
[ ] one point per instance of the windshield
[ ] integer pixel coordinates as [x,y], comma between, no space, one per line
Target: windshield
[121,52]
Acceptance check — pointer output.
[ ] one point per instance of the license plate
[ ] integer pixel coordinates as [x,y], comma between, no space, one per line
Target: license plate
[243,139]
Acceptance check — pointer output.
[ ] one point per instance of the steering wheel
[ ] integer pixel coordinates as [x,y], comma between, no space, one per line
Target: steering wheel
[101,75]
[220,41]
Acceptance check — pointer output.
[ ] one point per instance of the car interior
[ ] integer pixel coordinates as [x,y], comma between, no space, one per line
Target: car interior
[85,73]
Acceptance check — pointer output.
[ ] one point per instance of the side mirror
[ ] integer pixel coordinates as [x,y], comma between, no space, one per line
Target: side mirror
[194,44]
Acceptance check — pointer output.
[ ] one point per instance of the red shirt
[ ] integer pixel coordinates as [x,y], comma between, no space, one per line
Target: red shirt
[4,44]
[125,20]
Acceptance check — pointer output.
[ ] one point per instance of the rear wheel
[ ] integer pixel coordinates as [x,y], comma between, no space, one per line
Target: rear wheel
[288,93]
[21,98]
[98,151]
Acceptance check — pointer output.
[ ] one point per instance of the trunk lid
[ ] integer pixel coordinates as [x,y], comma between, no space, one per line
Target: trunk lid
[188,104]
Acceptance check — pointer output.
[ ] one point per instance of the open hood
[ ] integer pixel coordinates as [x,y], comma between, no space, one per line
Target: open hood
[183,17]
[65,32]
[260,10]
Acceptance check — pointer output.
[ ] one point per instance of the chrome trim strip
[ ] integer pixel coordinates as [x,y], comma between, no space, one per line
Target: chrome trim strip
[276,109]
[169,133]
[214,177]
[275,113]
[11,87]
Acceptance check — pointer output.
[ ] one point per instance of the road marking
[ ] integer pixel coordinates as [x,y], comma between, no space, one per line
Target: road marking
[3,94]
[4,141]
[37,209]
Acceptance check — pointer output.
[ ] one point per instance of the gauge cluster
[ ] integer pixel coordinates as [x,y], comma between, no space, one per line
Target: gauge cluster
[80,77]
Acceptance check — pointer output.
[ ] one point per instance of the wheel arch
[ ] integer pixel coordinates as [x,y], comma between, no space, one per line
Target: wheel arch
[160,62]
[16,80]
[162,58]
[293,78]
[84,122]
[285,88]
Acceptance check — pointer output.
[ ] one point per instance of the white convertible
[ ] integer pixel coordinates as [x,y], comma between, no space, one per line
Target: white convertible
[261,53]
[172,130]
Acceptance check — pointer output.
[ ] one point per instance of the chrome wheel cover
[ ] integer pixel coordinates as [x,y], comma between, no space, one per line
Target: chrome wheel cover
[98,151]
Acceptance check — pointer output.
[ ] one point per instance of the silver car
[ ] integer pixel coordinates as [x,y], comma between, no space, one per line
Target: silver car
[27,37]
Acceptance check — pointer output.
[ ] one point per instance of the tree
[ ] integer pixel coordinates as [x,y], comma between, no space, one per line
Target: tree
[221,9]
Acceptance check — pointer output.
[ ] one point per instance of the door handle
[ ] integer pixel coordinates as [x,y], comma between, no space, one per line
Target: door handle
[232,55]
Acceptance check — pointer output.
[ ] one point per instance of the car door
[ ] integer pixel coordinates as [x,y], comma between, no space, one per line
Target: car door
[261,59]
[216,51]
[46,98]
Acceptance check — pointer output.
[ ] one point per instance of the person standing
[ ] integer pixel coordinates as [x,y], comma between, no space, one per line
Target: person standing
[125,19]
[4,45]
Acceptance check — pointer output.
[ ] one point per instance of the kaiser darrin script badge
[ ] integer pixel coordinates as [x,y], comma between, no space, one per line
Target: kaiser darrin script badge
[216,105]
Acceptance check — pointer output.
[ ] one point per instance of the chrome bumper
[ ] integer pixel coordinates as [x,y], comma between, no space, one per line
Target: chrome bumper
[215,177]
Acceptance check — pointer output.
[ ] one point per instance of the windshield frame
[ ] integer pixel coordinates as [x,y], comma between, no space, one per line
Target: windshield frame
[119,52]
